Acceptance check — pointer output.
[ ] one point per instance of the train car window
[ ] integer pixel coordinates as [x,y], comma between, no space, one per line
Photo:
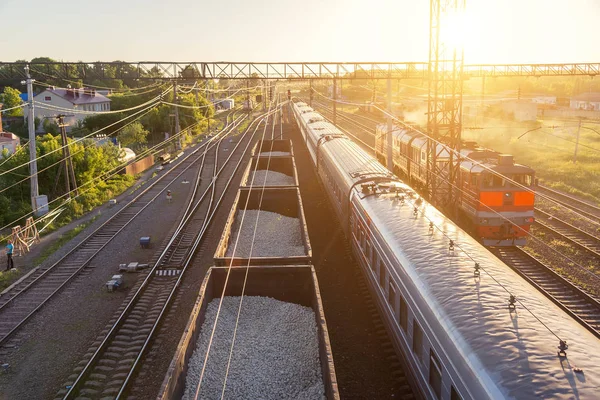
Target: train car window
[435,374]
[375,261]
[368,252]
[417,340]
[423,156]
[474,180]
[454,394]
[523,179]
[382,272]
[392,293]
[403,314]
[490,180]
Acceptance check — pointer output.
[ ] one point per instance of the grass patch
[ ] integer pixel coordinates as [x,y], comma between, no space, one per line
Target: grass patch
[8,277]
[48,251]
[548,150]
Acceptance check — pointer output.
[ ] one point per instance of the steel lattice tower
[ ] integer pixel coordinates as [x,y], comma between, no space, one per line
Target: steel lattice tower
[444,114]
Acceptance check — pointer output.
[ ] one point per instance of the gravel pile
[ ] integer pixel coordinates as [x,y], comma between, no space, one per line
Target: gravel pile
[275,153]
[275,355]
[274,178]
[276,236]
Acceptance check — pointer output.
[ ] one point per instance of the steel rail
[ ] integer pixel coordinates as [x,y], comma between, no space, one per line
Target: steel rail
[559,197]
[86,241]
[574,301]
[573,234]
[141,290]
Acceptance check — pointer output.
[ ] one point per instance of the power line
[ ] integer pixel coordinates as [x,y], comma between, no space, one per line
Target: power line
[79,139]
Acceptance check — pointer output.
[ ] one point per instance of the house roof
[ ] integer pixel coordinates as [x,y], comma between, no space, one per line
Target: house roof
[8,137]
[78,96]
[588,96]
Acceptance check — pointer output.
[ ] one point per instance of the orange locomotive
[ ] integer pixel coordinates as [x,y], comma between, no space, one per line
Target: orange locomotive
[495,196]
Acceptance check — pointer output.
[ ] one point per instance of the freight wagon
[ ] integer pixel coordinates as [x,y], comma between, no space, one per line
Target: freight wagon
[292,284]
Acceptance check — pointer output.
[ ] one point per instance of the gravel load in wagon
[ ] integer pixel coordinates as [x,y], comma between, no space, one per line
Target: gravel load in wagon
[277,217]
[275,354]
[260,233]
[274,153]
[273,148]
[281,349]
[279,171]
[264,177]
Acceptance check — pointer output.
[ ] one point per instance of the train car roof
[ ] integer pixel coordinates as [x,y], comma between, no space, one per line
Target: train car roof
[512,354]
[354,161]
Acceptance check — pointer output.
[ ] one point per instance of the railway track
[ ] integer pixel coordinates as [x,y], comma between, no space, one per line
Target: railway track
[582,307]
[114,359]
[19,304]
[581,207]
[569,232]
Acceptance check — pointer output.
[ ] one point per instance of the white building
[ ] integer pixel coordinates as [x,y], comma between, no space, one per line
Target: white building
[586,101]
[77,102]
[9,141]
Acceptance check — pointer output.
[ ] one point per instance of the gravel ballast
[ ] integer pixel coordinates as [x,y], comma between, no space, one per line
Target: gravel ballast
[275,355]
[276,236]
[275,153]
[273,178]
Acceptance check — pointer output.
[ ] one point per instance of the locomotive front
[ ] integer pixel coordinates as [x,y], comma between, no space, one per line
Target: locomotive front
[498,198]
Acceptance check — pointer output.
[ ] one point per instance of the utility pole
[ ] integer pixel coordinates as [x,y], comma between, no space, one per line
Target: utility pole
[264,105]
[482,98]
[390,140]
[32,148]
[335,102]
[68,161]
[577,141]
[177,127]
[207,99]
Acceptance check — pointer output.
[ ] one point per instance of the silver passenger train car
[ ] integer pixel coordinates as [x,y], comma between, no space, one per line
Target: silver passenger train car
[445,298]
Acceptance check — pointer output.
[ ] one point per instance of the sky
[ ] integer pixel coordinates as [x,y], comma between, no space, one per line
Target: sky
[494,31]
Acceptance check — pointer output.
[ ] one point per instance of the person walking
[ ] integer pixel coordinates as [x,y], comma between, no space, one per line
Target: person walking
[9,252]
[169,196]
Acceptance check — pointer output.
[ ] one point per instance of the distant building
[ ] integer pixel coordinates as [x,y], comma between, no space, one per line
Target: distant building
[78,102]
[543,99]
[522,110]
[8,140]
[586,101]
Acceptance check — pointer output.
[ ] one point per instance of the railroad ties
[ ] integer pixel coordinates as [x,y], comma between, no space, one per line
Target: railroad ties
[572,299]
[29,295]
[116,355]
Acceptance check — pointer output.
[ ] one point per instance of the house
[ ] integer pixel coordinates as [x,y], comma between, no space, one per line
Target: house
[586,101]
[8,140]
[75,103]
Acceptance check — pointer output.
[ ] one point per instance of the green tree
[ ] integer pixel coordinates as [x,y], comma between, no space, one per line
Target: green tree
[133,136]
[10,98]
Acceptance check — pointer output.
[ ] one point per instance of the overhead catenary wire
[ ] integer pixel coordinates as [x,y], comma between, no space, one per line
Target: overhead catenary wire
[72,155]
[561,255]
[235,329]
[12,108]
[487,272]
[124,93]
[456,153]
[82,138]
[198,388]
[97,86]
[103,176]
